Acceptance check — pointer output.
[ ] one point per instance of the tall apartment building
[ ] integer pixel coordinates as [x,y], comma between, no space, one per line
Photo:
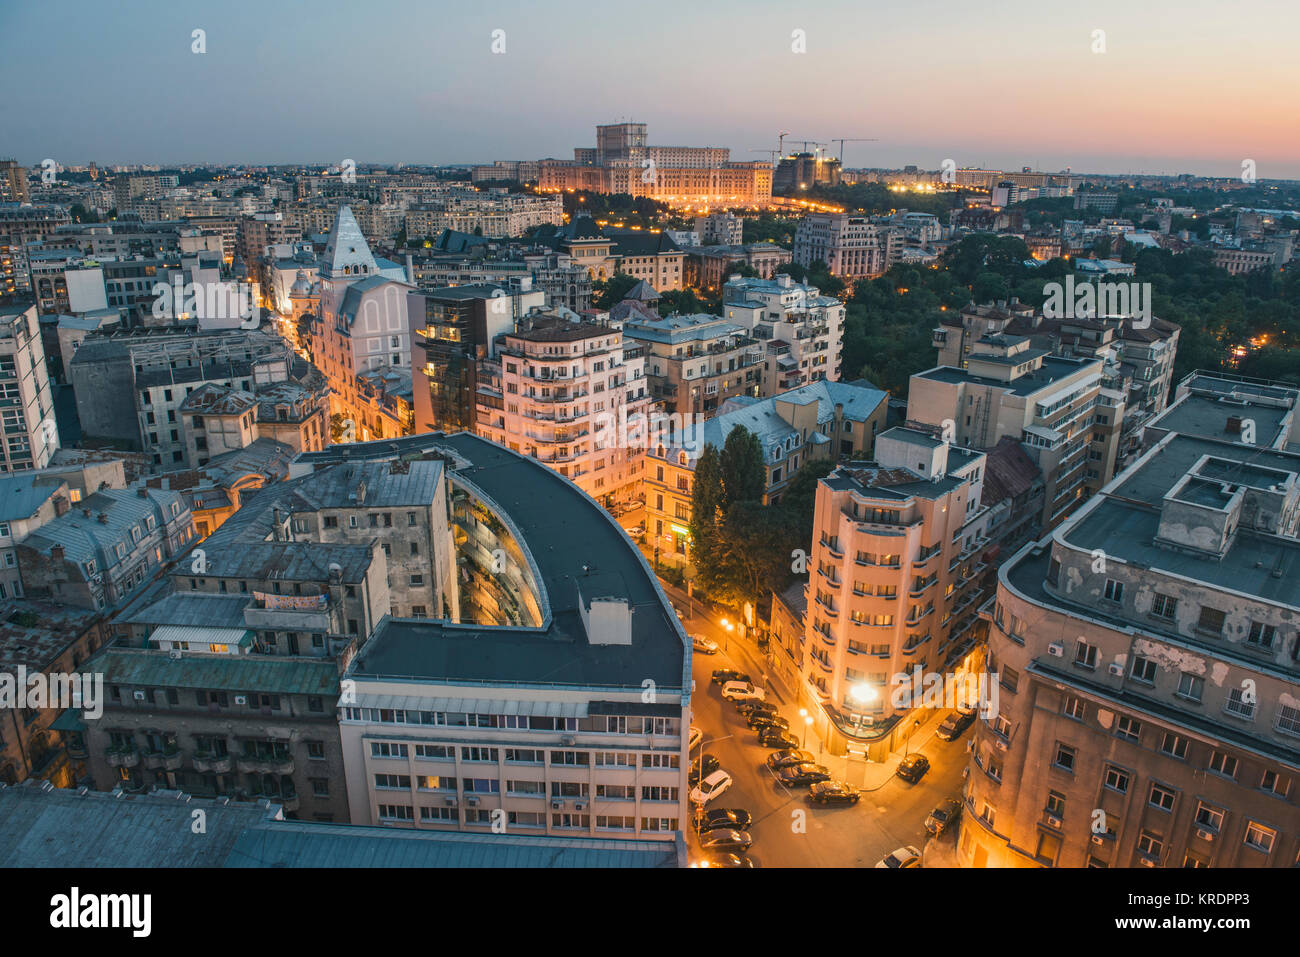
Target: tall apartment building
[26,399]
[452,330]
[130,189]
[894,584]
[695,363]
[823,420]
[803,330]
[572,396]
[1058,408]
[20,225]
[1148,658]
[852,246]
[1137,355]
[720,229]
[535,717]
[13,182]
[494,212]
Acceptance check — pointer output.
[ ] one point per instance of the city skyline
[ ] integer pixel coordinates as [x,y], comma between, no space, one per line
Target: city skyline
[265,93]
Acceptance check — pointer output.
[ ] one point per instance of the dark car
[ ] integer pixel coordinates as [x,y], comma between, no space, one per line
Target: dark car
[954,725]
[802,775]
[942,817]
[726,859]
[723,675]
[724,839]
[773,737]
[833,792]
[697,773]
[734,818]
[913,767]
[746,708]
[759,720]
[784,759]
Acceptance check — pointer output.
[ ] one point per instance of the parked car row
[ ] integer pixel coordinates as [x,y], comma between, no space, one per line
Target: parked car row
[724,834]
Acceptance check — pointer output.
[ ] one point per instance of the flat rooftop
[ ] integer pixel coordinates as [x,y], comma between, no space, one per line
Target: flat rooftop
[1054,370]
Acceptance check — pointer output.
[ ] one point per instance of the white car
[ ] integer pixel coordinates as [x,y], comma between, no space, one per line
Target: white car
[906,856]
[696,737]
[705,646]
[711,787]
[743,691]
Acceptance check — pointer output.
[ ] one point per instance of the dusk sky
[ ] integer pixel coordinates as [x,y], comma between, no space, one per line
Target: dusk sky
[1193,86]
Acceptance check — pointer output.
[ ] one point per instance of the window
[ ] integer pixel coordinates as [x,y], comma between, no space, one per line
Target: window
[1150,844]
[1163,606]
[1211,621]
[1064,758]
[1190,686]
[1275,783]
[316,750]
[478,754]
[1260,837]
[389,781]
[1056,803]
[1128,728]
[1116,779]
[1261,634]
[1162,797]
[1114,590]
[1075,708]
[1144,669]
[1240,704]
[435,752]
[1208,816]
[1174,745]
[1223,763]
[384,749]
[1085,655]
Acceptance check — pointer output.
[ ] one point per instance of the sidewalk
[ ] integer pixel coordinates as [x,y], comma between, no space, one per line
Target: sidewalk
[744,653]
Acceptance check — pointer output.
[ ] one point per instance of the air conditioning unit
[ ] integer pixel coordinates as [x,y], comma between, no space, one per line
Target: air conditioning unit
[1099,840]
[1116,669]
[557,805]
[999,744]
[471,801]
[1204,835]
[569,740]
[1053,821]
[451,802]
[137,695]
[580,805]
[174,653]
[1056,649]
[1147,861]
[241,699]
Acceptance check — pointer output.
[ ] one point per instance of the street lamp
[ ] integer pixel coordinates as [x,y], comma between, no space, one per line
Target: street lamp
[807,723]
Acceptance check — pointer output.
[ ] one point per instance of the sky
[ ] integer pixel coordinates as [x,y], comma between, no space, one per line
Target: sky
[1192,86]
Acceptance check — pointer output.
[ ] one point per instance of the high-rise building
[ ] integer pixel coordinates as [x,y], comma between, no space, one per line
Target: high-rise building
[784,313]
[1147,651]
[13,182]
[695,363]
[30,432]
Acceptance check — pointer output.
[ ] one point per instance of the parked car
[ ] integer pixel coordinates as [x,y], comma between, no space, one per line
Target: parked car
[723,675]
[773,737]
[743,691]
[696,737]
[711,788]
[759,719]
[942,817]
[726,859]
[802,775]
[723,839]
[913,767]
[784,759]
[737,819]
[705,646]
[903,857]
[709,765]
[955,724]
[746,708]
[833,792]
[637,531]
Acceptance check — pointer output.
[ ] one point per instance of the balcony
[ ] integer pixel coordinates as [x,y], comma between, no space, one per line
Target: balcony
[208,763]
[166,760]
[126,757]
[264,764]
[289,613]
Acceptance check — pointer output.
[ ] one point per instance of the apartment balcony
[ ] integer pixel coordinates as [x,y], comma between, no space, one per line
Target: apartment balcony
[269,764]
[207,763]
[163,760]
[289,802]
[127,757]
[76,748]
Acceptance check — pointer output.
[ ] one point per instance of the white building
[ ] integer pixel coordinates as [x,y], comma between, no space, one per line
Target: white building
[786,313]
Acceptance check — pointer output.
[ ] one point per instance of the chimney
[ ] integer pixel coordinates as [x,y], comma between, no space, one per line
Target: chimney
[141,492]
[277,532]
[102,518]
[56,553]
[61,505]
[86,512]
[1234,424]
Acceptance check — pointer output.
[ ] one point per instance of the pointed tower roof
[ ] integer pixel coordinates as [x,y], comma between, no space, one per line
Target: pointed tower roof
[643,292]
[347,253]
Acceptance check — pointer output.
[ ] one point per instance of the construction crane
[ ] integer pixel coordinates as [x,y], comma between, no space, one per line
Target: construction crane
[771,153]
[851,139]
[780,142]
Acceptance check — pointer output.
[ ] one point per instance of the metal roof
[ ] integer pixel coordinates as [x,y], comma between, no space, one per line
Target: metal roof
[134,667]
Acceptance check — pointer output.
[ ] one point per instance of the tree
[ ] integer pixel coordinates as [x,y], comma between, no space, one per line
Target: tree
[756,551]
[610,292]
[706,499]
[744,478]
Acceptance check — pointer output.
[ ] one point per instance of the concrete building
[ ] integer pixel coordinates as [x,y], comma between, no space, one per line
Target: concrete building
[853,246]
[13,182]
[573,396]
[784,313]
[695,363]
[709,267]
[538,710]
[823,420]
[1058,408]
[720,229]
[894,584]
[1147,653]
[31,435]
[489,212]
